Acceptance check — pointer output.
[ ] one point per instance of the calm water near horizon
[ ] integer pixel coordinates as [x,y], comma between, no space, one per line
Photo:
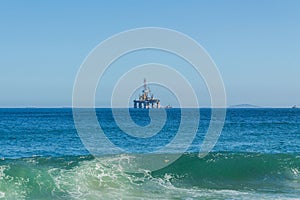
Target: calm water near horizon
[256,157]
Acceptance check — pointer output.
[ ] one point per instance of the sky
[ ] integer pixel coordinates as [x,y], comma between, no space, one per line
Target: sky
[255,45]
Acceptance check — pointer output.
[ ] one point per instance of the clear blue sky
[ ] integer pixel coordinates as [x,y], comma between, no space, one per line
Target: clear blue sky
[255,44]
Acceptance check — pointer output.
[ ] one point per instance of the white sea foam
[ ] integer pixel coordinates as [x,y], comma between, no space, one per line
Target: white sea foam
[2,194]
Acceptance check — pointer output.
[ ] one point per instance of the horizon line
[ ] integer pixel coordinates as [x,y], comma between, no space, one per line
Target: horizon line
[62,107]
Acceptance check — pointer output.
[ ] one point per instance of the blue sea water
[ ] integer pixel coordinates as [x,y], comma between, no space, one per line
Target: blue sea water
[256,157]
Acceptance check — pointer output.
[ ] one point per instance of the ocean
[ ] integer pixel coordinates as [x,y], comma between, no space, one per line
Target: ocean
[257,156]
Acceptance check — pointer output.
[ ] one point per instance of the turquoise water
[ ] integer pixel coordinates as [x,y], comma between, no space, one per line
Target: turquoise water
[256,157]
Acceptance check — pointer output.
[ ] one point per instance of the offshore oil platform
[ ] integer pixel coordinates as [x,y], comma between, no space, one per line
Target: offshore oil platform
[146,100]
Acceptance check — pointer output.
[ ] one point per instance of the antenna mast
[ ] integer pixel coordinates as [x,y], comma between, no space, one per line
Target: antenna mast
[145,84]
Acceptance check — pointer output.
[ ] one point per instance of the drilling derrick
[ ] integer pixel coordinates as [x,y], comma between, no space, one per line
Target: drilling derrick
[146,100]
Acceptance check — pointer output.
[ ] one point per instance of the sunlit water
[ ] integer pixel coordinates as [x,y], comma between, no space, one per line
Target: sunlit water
[257,157]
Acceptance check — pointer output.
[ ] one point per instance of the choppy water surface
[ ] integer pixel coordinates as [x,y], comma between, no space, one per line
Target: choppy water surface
[256,157]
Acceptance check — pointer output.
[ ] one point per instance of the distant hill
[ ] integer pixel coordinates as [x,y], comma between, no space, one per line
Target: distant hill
[244,106]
